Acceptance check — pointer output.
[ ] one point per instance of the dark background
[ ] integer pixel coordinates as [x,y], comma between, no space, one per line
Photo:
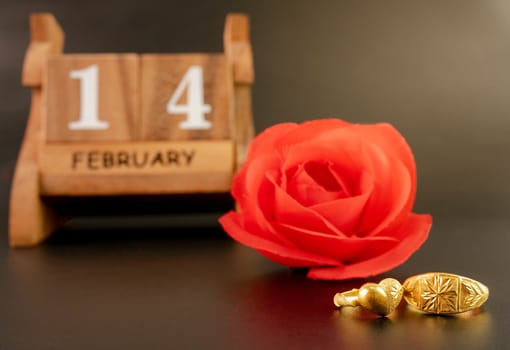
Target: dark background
[437,70]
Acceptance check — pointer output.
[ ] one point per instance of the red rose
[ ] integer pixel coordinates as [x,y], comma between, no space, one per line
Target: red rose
[329,195]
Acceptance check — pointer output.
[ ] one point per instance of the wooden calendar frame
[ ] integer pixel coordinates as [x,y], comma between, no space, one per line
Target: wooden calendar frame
[41,171]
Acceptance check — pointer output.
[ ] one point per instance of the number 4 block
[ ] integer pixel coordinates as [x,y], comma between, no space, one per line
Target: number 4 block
[92,97]
[186,97]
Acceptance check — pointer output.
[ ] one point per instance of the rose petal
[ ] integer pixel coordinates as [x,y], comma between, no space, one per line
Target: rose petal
[339,148]
[393,193]
[266,141]
[390,202]
[343,213]
[346,250]
[304,131]
[252,191]
[313,183]
[287,210]
[388,138]
[286,255]
[415,231]
[247,185]
[347,165]
[349,187]
[248,179]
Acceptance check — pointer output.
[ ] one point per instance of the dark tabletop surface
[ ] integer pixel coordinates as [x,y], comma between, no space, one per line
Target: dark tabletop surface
[155,284]
[437,70]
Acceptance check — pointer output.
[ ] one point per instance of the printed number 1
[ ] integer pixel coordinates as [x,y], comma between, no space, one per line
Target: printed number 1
[89,118]
[195,109]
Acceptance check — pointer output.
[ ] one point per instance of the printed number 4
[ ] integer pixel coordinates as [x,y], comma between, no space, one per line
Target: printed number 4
[195,109]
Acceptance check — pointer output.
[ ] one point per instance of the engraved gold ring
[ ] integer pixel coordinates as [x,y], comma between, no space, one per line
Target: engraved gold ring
[432,292]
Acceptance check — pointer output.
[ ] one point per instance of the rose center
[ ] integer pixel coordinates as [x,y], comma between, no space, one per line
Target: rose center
[315,182]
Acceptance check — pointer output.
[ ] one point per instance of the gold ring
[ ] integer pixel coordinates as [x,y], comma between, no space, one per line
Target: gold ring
[432,292]
[444,293]
[380,299]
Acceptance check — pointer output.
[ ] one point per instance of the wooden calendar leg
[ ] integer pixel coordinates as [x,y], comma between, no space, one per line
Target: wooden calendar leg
[30,220]
[236,40]
[244,129]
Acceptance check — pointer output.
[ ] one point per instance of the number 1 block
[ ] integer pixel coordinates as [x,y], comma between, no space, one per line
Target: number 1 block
[92,98]
[186,97]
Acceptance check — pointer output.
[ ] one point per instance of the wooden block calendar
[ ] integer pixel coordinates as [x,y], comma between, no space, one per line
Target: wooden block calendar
[128,124]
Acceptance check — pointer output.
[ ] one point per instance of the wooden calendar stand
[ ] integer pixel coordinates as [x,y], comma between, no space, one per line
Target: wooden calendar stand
[127,124]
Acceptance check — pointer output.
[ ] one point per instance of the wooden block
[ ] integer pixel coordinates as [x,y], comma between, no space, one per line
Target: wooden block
[200,82]
[236,40]
[92,97]
[25,201]
[46,40]
[136,168]
[30,219]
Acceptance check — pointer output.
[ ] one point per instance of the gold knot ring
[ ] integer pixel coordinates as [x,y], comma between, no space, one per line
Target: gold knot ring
[433,292]
[380,299]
